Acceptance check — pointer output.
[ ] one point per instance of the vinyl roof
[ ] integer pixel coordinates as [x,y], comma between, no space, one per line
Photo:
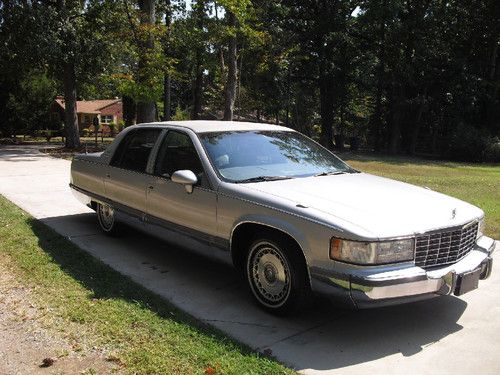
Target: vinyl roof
[204,126]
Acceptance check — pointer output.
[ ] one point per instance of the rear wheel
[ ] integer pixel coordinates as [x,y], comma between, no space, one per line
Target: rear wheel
[106,218]
[277,274]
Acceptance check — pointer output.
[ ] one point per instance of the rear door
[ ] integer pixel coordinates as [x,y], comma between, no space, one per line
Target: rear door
[126,181]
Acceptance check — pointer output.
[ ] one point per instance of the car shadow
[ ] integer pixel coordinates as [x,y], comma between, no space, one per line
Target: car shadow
[205,286]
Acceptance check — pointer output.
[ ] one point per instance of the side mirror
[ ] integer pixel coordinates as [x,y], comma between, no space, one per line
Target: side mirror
[186,178]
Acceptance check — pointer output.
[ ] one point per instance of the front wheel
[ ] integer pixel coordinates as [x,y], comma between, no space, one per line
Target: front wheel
[277,275]
[106,218]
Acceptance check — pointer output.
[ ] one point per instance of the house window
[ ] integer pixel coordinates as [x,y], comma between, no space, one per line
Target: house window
[106,119]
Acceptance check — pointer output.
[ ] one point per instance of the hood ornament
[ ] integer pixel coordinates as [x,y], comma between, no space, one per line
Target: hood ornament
[453,213]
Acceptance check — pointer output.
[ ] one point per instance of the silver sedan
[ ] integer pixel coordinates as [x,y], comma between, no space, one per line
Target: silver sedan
[292,216]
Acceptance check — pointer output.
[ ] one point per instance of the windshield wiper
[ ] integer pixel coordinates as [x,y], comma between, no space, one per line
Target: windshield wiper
[331,173]
[263,178]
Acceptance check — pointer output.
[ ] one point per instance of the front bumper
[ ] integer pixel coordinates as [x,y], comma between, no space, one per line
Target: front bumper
[365,287]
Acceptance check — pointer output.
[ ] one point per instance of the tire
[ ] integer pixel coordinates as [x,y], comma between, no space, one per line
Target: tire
[276,274]
[106,219]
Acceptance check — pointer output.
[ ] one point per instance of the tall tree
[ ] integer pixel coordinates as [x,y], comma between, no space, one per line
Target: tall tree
[232,53]
[65,39]
[69,75]
[146,106]
[167,85]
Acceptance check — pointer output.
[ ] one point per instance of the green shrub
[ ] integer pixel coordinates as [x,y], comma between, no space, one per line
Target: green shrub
[181,114]
[471,144]
[121,125]
[492,153]
[112,128]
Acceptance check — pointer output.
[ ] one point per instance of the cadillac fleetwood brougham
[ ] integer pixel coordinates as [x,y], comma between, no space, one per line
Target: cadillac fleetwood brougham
[294,218]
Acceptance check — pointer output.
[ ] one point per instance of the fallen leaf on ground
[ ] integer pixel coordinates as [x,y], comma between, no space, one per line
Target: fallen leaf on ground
[47,362]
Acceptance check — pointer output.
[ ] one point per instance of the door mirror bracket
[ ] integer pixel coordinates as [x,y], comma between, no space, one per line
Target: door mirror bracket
[185,177]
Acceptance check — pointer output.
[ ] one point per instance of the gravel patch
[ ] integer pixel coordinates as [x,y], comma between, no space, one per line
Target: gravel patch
[28,345]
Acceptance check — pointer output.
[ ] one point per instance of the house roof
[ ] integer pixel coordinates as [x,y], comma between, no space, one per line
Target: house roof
[89,106]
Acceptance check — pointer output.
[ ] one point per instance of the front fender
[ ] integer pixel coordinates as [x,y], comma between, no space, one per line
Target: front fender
[275,223]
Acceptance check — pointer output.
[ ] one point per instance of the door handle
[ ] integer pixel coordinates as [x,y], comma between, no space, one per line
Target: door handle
[150,187]
[108,175]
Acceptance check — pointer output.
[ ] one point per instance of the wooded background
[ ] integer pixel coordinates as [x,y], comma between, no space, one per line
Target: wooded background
[414,77]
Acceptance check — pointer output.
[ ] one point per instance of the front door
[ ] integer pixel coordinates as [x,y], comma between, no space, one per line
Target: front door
[168,202]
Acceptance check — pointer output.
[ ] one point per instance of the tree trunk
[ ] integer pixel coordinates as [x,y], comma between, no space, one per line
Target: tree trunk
[232,74]
[492,107]
[376,120]
[415,131]
[71,119]
[199,9]
[146,109]
[326,111]
[129,110]
[198,89]
[166,97]
[146,112]
[166,52]
[395,129]
[340,136]
[69,83]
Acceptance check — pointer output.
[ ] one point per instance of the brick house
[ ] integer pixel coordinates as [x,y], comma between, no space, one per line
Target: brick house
[108,112]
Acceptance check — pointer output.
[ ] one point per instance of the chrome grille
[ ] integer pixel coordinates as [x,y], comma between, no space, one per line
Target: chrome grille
[446,246]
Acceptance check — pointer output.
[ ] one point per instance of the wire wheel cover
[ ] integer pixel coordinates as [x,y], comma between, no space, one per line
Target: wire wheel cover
[270,275]
[106,216]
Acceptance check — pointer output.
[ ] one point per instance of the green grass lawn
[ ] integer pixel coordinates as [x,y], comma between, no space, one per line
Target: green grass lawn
[478,184]
[93,305]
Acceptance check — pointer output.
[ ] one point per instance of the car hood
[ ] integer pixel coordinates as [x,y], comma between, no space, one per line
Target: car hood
[370,205]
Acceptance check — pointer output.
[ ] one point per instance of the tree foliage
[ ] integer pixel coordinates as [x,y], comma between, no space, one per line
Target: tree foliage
[400,76]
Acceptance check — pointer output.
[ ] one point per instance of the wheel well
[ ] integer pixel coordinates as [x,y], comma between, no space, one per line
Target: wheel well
[243,235]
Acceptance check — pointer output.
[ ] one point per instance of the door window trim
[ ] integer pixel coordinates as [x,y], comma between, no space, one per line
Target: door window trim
[155,161]
[127,138]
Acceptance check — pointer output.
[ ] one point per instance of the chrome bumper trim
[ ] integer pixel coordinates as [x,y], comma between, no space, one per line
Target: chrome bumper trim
[403,285]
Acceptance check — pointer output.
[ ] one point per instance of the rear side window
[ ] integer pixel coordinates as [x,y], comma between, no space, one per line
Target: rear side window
[134,150]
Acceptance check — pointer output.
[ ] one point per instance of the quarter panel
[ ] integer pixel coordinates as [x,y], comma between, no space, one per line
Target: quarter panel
[88,175]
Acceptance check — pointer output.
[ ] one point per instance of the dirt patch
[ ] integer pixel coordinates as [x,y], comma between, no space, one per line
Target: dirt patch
[27,346]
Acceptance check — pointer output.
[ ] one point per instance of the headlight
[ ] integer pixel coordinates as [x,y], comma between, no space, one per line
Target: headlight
[372,252]
[480,228]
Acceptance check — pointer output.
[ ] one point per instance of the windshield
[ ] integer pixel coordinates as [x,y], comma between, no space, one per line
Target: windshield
[252,156]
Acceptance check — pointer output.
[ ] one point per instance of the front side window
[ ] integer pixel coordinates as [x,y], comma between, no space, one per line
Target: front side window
[259,155]
[134,150]
[177,153]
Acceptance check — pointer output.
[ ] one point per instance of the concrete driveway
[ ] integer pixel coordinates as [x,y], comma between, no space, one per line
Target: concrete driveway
[447,335]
